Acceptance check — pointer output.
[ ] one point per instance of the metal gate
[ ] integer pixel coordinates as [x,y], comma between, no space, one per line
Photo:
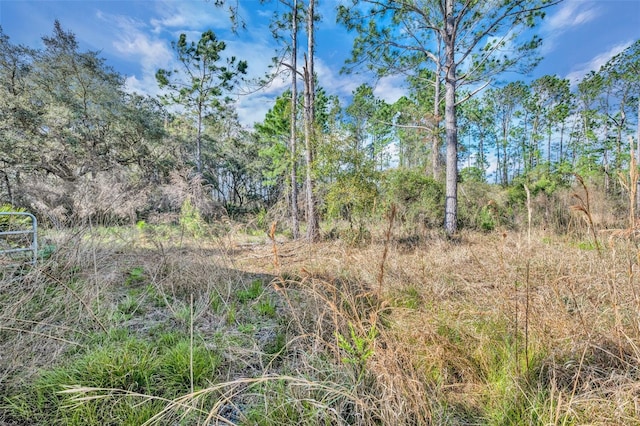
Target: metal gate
[28,244]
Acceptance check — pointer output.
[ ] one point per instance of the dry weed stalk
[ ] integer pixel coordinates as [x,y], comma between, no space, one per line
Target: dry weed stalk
[584,206]
[274,247]
[385,251]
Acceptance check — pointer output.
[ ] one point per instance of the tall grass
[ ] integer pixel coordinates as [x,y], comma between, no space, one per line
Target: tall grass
[493,328]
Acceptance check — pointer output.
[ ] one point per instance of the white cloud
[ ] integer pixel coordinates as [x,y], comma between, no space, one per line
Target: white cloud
[595,63]
[188,15]
[572,13]
[252,109]
[334,82]
[150,52]
[390,88]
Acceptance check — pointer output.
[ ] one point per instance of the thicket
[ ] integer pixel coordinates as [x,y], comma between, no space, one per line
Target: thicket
[105,156]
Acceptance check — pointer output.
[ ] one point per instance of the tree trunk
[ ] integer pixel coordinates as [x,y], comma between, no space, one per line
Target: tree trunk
[313,225]
[435,137]
[199,142]
[295,224]
[451,192]
[561,142]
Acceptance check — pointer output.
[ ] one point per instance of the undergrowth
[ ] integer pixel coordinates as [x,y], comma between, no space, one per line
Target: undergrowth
[156,326]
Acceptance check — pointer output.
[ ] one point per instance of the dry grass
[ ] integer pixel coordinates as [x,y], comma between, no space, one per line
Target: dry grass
[562,320]
[494,328]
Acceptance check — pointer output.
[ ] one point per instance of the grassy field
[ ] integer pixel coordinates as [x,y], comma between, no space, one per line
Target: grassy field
[161,325]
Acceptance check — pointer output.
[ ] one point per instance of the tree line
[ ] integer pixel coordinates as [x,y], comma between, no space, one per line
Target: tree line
[77,146]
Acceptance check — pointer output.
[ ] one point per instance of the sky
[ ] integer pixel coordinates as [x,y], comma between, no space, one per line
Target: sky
[134,36]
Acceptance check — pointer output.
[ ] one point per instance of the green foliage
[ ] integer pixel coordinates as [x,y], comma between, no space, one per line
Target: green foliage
[232,313]
[276,345]
[191,220]
[352,196]
[482,207]
[201,85]
[177,364]
[253,292]
[121,362]
[278,406]
[267,308]
[129,306]
[136,276]
[358,348]
[12,222]
[417,196]
[408,297]
[472,174]
[273,138]
[486,219]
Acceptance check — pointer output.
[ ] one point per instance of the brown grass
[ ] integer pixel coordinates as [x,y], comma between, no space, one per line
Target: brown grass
[498,328]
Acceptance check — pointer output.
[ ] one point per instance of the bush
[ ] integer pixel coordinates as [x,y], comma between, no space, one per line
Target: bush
[351,197]
[191,220]
[418,198]
[481,207]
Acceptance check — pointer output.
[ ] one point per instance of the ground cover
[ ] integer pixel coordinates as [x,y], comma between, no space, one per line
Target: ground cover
[166,325]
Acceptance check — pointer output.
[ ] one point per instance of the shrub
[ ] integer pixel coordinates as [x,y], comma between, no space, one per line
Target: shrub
[352,197]
[191,220]
[418,197]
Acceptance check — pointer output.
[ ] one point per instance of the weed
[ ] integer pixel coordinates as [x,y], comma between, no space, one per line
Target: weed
[266,307]
[231,314]
[247,328]
[276,345]
[504,329]
[253,292]
[216,302]
[180,367]
[408,297]
[358,349]
[135,276]
[129,306]
[166,368]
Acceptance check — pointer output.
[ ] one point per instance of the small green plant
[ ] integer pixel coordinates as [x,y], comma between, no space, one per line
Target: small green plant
[129,306]
[358,349]
[409,297]
[183,313]
[191,220]
[253,292]
[169,367]
[215,302]
[486,219]
[261,218]
[266,307]
[181,363]
[232,312]
[247,328]
[135,276]
[9,222]
[276,345]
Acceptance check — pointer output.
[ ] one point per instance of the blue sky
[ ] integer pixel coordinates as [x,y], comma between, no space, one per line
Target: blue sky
[134,36]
